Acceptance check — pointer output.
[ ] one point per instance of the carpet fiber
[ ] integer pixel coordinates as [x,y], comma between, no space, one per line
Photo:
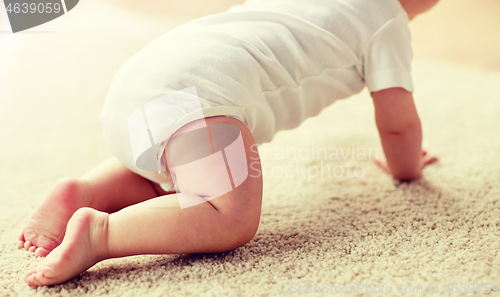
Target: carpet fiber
[330,217]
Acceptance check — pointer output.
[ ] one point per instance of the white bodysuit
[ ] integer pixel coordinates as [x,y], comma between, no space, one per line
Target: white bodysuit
[269,63]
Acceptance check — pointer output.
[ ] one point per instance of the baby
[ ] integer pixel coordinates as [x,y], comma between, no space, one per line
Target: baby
[183,117]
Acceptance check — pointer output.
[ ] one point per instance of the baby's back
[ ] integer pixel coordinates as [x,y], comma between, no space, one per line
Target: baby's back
[274,62]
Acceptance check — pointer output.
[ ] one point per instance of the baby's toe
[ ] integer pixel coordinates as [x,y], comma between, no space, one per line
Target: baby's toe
[32,249]
[21,244]
[41,277]
[33,281]
[27,245]
[41,252]
[47,273]
[34,278]
[29,276]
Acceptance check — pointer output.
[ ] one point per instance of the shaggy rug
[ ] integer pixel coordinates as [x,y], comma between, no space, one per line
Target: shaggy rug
[331,221]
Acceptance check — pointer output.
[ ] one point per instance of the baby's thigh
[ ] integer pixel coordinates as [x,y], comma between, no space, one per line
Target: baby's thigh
[217,159]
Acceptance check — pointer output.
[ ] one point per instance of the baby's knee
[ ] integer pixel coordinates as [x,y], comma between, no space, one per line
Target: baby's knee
[241,221]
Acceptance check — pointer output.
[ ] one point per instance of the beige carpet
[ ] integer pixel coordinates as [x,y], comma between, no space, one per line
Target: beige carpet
[314,230]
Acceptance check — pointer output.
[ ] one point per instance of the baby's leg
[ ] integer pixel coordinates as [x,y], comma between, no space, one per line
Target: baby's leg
[108,187]
[113,186]
[159,225]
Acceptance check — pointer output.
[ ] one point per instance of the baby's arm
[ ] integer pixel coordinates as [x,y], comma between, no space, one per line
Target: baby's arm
[400,133]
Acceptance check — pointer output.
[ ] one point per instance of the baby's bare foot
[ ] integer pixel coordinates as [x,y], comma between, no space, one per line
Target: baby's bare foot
[84,244]
[44,231]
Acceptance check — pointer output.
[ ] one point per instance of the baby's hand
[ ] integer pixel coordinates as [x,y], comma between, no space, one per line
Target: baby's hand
[424,161]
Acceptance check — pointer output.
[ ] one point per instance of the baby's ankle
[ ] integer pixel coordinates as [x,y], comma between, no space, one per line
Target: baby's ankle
[97,224]
[100,242]
[73,190]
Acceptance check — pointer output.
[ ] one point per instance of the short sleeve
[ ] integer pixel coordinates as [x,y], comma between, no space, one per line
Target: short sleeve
[387,57]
